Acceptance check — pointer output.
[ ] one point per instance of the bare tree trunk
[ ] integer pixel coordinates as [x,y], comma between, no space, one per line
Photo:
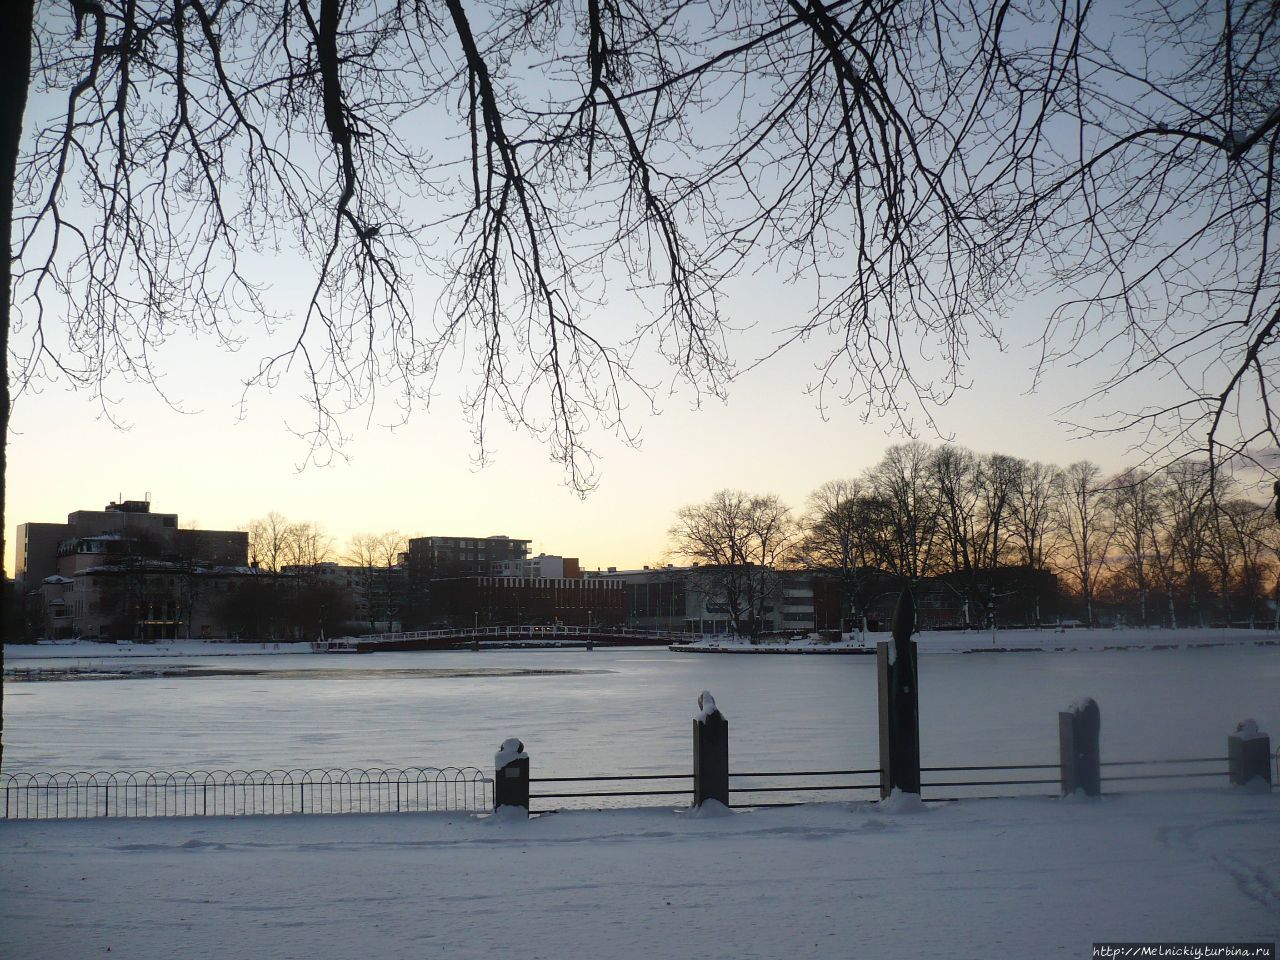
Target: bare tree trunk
[15,74]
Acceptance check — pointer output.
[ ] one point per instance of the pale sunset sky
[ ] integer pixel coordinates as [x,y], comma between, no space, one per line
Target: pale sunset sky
[218,471]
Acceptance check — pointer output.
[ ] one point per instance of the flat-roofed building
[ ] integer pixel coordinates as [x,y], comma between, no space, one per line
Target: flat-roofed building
[124,572]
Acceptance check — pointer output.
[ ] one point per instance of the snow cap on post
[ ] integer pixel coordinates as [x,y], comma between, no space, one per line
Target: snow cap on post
[706,706]
[511,749]
[1248,729]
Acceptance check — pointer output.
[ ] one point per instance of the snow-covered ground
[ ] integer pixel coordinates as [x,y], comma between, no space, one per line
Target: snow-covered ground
[978,641]
[1011,878]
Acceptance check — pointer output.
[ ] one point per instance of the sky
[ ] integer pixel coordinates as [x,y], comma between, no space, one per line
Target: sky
[218,465]
[218,470]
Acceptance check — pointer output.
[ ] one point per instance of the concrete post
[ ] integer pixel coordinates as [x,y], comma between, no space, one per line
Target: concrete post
[1079,757]
[1249,755]
[710,753]
[897,676]
[511,777]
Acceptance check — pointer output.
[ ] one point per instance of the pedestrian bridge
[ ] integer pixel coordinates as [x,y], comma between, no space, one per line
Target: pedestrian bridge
[527,635]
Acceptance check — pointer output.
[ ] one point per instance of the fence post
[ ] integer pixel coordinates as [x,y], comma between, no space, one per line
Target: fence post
[511,777]
[1079,757]
[710,752]
[1249,755]
[897,676]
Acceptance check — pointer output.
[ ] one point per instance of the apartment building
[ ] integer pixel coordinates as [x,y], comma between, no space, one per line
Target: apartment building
[39,545]
[125,572]
[463,556]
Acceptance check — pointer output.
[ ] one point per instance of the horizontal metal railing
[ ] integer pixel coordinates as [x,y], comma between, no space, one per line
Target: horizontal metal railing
[742,794]
[998,768]
[1115,771]
[603,780]
[49,796]
[738,788]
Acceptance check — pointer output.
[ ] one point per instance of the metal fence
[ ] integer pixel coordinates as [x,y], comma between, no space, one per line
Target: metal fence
[201,793]
[774,788]
[941,784]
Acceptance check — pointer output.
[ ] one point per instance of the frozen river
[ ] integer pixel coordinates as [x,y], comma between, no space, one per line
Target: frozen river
[625,710]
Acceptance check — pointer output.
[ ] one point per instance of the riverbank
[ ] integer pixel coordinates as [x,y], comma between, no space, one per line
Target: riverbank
[1019,878]
[89,649]
[1048,640]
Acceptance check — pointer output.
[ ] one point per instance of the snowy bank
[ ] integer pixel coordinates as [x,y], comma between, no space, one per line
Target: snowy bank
[89,650]
[1014,878]
[1001,641]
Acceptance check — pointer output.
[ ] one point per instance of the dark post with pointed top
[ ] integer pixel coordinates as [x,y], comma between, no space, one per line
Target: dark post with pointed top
[899,703]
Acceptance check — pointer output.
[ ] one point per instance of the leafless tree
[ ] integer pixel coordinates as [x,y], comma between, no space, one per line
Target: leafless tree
[843,530]
[903,481]
[740,539]
[307,545]
[1240,551]
[363,551]
[1032,517]
[1189,500]
[1133,501]
[268,541]
[1085,527]
[1161,216]
[998,476]
[954,474]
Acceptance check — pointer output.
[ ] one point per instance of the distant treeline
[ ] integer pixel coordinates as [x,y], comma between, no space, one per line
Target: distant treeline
[1179,546]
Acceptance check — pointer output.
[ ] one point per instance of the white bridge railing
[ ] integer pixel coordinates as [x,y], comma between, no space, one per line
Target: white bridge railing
[497,634]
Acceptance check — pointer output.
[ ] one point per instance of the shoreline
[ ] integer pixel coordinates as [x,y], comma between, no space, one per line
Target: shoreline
[1012,641]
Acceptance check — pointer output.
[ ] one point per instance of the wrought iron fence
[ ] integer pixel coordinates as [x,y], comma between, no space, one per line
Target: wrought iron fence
[200,793]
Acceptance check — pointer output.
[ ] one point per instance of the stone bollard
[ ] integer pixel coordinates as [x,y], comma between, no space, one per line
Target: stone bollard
[1249,755]
[710,753]
[511,777]
[1079,756]
[897,676]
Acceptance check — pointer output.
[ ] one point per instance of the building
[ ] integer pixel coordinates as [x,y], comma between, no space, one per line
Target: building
[139,599]
[375,596]
[125,573]
[695,599]
[463,556]
[39,545]
[540,567]
[511,601]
